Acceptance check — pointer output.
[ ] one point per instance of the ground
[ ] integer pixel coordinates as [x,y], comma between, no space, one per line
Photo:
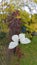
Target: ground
[29,54]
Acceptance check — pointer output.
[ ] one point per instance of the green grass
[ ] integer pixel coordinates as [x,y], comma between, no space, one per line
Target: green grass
[30,54]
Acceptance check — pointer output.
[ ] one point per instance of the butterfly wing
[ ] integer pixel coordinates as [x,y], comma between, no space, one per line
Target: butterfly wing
[12,45]
[15,38]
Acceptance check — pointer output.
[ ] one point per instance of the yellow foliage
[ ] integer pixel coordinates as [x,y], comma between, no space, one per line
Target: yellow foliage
[32,27]
[34,18]
[24,15]
[3,16]
[4,27]
[10,8]
[25,18]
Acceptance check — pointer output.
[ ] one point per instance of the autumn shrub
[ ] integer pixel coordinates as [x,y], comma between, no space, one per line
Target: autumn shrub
[19,53]
[14,23]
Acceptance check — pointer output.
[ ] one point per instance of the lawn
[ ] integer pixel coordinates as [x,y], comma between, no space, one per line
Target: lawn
[29,54]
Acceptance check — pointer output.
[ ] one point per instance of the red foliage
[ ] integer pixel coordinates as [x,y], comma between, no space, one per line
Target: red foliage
[18,52]
[14,23]
[15,13]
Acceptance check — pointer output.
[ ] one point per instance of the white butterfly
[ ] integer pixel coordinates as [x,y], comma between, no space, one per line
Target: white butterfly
[16,39]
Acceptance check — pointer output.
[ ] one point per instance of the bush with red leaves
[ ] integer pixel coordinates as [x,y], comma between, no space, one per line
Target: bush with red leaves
[14,23]
[19,53]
